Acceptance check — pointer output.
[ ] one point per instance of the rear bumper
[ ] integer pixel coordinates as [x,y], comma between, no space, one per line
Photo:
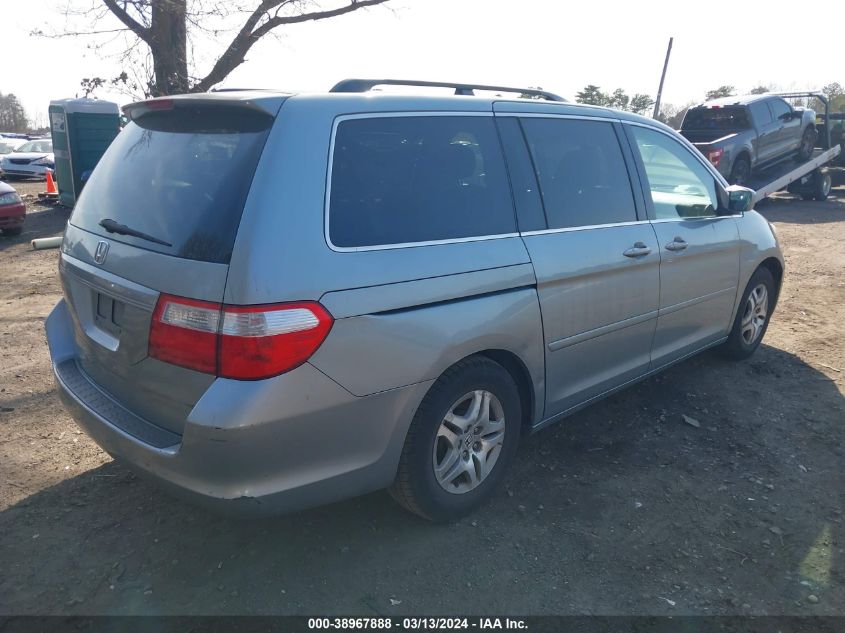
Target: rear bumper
[270,446]
[12,215]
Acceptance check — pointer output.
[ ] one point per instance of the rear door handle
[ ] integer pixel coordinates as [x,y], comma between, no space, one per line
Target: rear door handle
[678,244]
[638,250]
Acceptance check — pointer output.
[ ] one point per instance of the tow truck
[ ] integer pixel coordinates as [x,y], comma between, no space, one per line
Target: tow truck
[809,179]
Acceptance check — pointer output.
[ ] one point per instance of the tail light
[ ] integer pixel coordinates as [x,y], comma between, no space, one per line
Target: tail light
[715,156]
[240,342]
[184,333]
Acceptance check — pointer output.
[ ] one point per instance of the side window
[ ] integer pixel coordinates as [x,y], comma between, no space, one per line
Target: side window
[582,174]
[399,180]
[779,107]
[526,193]
[681,187]
[761,113]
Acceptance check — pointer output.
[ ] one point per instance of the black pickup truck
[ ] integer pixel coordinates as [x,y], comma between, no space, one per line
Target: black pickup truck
[740,135]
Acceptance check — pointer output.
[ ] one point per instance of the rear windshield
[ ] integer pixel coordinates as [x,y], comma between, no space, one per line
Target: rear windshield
[730,119]
[179,176]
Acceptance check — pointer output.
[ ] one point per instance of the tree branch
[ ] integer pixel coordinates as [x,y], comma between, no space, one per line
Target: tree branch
[248,35]
[56,36]
[128,20]
[354,5]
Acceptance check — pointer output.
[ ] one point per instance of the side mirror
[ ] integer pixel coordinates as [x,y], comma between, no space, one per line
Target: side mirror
[740,199]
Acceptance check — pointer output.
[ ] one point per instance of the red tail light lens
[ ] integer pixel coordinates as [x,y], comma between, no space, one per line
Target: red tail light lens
[241,342]
[184,333]
[715,156]
[262,341]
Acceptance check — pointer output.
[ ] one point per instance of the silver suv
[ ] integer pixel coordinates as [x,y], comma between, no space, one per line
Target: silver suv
[274,301]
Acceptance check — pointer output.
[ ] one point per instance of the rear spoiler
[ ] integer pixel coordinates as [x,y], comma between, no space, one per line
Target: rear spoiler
[257,104]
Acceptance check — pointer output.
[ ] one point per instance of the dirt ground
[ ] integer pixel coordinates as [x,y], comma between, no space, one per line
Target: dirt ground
[622,509]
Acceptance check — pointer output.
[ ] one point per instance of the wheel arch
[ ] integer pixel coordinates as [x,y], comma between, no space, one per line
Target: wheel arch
[773,265]
[744,152]
[518,370]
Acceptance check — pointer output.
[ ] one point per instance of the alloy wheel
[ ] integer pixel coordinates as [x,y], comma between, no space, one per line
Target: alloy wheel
[469,441]
[754,317]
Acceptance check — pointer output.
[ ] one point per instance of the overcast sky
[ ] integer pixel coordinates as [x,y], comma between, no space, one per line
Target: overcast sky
[560,46]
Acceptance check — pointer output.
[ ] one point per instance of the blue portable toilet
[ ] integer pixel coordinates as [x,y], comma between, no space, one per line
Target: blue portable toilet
[82,130]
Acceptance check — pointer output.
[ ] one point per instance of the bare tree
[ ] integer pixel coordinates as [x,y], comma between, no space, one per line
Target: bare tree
[156,36]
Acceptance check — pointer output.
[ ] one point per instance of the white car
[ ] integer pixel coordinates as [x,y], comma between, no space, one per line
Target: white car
[9,145]
[32,159]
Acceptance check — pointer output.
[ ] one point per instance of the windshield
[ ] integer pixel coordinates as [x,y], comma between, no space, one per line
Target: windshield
[730,119]
[179,176]
[44,146]
[6,148]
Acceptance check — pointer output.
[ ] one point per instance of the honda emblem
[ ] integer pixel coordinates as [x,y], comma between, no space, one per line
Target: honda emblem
[101,252]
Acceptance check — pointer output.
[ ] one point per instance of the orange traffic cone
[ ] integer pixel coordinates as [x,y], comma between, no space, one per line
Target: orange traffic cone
[51,185]
[52,193]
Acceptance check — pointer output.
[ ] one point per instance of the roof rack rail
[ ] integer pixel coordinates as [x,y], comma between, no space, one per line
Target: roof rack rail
[364,85]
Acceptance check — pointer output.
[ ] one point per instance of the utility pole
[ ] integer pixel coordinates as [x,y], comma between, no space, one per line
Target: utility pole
[662,79]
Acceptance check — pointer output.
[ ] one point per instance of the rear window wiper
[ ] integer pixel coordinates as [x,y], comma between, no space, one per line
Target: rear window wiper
[121,229]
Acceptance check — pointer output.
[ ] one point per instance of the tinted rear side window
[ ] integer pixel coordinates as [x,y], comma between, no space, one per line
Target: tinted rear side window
[582,174]
[180,176]
[399,180]
[761,112]
[779,107]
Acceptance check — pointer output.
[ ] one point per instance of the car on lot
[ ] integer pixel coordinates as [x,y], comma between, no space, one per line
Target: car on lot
[741,135]
[32,159]
[274,301]
[12,210]
[14,135]
[7,146]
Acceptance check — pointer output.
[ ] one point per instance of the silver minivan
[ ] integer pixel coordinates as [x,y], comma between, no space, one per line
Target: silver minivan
[273,301]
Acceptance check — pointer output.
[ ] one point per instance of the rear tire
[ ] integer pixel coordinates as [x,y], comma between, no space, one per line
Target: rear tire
[752,317]
[453,459]
[821,184]
[16,231]
[808,142]
[818,187]
[740,172]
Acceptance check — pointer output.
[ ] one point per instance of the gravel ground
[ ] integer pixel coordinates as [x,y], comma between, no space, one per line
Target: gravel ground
[622,509]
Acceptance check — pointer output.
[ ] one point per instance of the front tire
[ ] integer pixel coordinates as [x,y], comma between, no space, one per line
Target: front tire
[752,317]
[461,441]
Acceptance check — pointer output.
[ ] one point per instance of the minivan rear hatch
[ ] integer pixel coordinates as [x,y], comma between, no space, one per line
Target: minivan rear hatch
[159,215]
